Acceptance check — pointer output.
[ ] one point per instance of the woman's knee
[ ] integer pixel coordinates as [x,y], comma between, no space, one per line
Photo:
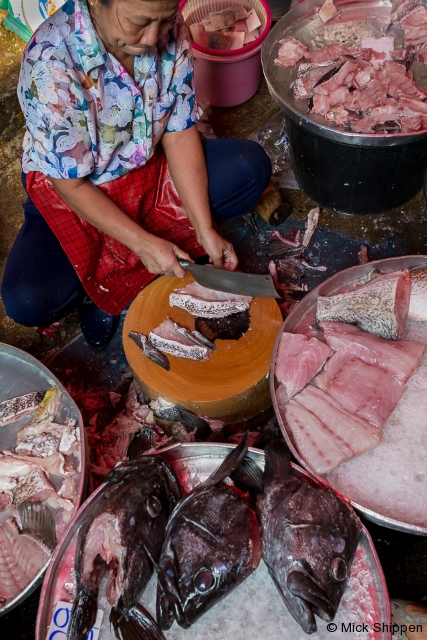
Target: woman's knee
[22,305]
[254,163]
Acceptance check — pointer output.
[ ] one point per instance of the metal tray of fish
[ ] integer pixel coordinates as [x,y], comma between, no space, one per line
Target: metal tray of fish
[21,374]
[253,610]
[355,20]
[388,484]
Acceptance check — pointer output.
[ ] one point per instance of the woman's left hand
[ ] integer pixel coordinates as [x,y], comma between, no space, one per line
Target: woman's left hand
[220,251]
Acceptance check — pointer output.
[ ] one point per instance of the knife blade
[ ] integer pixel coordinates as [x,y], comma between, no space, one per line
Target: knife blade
[242,284]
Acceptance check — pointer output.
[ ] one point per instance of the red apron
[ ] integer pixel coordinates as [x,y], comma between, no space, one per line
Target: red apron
[112,274]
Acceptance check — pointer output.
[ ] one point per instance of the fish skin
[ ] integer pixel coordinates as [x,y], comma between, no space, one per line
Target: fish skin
[380,306]
[148,349]
[49,406]
[136,502]
[16,408]
[418,303]
[210,547]
[320,533]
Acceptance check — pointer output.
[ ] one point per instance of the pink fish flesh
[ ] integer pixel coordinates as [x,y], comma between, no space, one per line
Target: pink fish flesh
[207,303]
[21,559]
[298,360]
[315,443]
[352,434]
[380,306]
[168,340]
[290,52]
[400,363]
[361,389]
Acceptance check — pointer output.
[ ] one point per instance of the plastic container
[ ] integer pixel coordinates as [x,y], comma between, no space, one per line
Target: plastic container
[226,78]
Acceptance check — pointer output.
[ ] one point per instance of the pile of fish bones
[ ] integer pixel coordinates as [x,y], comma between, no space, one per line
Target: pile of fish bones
[205,544]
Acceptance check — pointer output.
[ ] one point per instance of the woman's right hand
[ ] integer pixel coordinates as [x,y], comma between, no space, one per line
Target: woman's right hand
[160,256]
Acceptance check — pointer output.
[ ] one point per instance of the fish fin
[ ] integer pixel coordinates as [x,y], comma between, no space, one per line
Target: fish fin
[277,462]
[248,476]
[229,464]
[192,421]
[38,522]
[164,612]
[135,624]
[303,586]
[83,615]
[149,350]
[138,445]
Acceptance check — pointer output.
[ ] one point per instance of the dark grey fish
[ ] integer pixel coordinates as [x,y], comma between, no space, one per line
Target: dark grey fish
[212,544]
[176,413]
[149,350]
[123,537]
[310,536]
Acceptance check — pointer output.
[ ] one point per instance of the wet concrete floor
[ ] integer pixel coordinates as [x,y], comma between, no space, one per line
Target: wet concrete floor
[404,557]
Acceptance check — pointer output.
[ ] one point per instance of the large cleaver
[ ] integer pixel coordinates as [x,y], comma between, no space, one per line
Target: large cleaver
[242,284]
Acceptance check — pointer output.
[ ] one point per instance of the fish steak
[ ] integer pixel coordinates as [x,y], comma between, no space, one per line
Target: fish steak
[207,303]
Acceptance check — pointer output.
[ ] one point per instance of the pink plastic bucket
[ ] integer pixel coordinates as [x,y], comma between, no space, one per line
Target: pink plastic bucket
[226,78]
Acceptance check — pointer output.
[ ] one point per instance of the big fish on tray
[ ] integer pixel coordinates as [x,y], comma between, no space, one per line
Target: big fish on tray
[123,536]
[309,537]
[212,544]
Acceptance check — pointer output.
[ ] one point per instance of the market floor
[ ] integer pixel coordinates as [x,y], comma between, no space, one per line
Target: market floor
[404,557]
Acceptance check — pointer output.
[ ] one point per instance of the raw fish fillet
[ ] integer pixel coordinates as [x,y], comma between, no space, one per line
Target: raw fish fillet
[21,558]
[207,303]
[415,348]
[298,360]
[352,434]
[316,444]
[380,306]
[360,388]
[328,11]
[290,52]
[398,358]
[168,339]
[16,408]
[418,304]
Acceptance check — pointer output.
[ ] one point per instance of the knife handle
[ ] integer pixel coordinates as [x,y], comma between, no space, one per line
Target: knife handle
[185,264]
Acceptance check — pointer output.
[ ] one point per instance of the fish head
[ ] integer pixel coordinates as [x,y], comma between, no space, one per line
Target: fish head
[212,544]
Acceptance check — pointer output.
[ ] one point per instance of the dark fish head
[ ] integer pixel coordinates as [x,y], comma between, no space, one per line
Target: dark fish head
[310,536]
[212,545]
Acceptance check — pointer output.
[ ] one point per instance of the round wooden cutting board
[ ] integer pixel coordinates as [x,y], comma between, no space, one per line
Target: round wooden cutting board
[232,385]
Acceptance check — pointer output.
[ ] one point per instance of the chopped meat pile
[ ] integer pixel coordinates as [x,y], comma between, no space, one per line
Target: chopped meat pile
[411,15]
[358,88]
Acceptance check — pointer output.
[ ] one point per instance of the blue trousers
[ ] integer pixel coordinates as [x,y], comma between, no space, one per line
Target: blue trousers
[40,286]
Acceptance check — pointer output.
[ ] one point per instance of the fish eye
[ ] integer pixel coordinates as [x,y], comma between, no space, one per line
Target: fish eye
[339,569]
[153,506]
[204,581]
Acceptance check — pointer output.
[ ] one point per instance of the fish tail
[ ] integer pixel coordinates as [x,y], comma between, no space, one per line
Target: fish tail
[248,476]
[229,464]
[83,615]
[135,624]
[38,522]
[277,462]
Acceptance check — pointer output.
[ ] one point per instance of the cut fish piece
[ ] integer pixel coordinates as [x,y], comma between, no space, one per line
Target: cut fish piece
[315,443]
[328,11]
[415,348]
[207,303]
[418,304]
[298,360]
[21,558]
[353,435]
[380,306]
[168,339]
[16,408]
[397,358]
[361,389]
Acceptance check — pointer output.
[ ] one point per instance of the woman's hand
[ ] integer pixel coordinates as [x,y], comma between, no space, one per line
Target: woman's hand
[219,250]
[160,256]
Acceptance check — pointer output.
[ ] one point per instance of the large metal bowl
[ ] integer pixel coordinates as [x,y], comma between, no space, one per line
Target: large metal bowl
[193,463]
[302,316]
[20,373]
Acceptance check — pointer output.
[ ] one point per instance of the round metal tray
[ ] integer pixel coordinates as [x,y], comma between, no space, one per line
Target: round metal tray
[301,317]
[20,373]
[353,22]
[193,463]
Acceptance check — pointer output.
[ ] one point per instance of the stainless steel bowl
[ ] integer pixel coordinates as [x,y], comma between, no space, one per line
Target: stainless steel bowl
[303,24]
[193,463]
[20,373]
[302,316]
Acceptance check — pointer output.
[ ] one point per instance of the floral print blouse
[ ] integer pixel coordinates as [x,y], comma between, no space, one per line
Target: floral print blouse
[85,115]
